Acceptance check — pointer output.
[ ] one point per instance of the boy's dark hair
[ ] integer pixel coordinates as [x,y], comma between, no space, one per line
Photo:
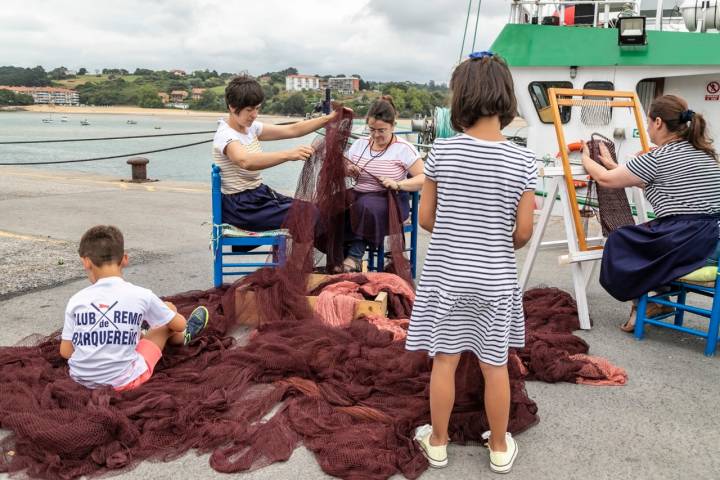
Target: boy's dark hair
[482,87]
[102,244]
[383,109]
[243,91]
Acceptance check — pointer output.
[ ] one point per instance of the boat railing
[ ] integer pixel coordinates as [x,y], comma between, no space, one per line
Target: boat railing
[697,16]
[530,11]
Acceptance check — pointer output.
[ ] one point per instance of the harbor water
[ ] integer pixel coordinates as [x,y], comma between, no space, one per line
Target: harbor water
[185,164]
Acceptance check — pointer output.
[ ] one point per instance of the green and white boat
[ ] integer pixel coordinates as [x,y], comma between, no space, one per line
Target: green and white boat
[673,59]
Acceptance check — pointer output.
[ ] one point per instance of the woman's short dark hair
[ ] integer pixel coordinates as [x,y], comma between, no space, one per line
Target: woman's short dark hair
[102,244]
[243,91]
[482,87]
[383,109]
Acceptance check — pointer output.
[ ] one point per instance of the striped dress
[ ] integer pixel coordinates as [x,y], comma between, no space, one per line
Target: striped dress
[468,298]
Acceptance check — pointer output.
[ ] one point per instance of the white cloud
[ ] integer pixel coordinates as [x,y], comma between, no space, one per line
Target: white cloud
[378,39]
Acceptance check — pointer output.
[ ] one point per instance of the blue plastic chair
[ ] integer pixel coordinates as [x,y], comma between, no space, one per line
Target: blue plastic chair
[680,290]
[376,257]
[276,240]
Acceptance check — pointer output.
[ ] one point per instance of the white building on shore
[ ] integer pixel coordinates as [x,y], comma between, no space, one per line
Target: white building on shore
[296,83]
[344,85]
[47,95]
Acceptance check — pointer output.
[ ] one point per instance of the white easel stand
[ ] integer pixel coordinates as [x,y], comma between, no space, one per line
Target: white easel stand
[582,264]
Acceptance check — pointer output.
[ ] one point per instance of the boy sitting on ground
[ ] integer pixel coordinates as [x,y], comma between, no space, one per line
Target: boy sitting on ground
[102,337]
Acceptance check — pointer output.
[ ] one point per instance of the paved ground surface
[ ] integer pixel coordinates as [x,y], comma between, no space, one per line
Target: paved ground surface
[664,424]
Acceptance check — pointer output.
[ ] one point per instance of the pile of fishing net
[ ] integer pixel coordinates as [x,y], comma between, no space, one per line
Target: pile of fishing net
[350,393]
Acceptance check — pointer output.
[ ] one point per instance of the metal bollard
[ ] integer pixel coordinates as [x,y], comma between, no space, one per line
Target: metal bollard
[139,168]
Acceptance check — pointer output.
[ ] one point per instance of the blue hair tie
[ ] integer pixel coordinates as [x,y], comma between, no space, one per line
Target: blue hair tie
[687,116]
[483,54]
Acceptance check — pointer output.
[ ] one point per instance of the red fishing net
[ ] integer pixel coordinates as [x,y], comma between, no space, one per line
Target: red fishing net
[351,395]
[613,206]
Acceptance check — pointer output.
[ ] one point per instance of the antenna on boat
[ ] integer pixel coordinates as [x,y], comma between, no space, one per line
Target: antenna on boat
[467,21]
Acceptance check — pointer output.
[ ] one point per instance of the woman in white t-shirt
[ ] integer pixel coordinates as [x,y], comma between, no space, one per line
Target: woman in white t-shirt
[381,164]
[246,201]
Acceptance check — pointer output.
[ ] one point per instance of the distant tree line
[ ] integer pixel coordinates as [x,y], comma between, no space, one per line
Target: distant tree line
[26,77]
[11,98]
[118,86]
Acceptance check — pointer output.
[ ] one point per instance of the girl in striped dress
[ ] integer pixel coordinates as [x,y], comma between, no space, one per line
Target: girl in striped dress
[477,200]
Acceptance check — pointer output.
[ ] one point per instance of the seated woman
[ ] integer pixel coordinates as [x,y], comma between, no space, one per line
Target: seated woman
[680,179]
[380,163]
[246,201]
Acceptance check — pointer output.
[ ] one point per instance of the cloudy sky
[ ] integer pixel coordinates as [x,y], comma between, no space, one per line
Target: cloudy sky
[415,40]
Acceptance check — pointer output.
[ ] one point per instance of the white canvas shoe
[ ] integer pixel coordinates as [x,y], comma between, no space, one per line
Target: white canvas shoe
[502,462]
[435,454]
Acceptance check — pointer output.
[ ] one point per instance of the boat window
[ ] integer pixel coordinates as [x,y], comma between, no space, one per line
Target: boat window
[599,114]
[595,85]
[539,95]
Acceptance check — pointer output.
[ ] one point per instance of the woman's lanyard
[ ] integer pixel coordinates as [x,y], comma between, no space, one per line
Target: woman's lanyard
[372,157]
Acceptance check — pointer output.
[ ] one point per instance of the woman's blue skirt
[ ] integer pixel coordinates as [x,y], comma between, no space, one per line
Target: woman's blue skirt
[369,215]
[259,209]
[639,258]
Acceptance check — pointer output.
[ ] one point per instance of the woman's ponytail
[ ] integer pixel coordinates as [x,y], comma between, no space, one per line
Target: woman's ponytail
[683,122]
[697,135]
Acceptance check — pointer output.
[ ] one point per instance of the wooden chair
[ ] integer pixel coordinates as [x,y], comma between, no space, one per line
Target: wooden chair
[680,290]
[376,257]
[225,236]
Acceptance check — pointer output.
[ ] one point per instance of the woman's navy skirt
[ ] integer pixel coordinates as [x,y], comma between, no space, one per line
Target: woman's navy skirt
[639,258]
[259,209]
[369,215]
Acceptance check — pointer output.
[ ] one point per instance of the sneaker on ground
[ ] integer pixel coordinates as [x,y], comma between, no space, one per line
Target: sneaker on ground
[502,462]
[435,454]
[196,322]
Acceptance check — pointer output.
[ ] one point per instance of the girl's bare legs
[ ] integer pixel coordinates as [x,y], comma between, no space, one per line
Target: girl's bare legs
[497,403]
[442,396]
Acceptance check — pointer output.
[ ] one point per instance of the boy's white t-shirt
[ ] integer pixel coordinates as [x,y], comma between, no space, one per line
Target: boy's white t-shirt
[103,323]
[233,178]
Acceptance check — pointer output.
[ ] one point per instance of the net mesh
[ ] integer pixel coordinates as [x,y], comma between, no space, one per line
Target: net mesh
[609,204]
[608,208]
[352,395]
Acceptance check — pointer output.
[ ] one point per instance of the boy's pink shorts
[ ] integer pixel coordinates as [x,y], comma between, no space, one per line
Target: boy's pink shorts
[151,353]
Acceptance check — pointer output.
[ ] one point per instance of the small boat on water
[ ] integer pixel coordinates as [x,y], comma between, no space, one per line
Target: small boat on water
[132,122]
[64,119]
[84,122]
[157,127]
[47,120]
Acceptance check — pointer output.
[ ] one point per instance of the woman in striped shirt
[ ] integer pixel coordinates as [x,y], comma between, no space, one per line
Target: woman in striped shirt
[246,201]
[681,179]
[380,163]
[477,201]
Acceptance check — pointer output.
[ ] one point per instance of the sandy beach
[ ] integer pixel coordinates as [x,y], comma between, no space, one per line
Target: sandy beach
[517,124]
[131,110]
